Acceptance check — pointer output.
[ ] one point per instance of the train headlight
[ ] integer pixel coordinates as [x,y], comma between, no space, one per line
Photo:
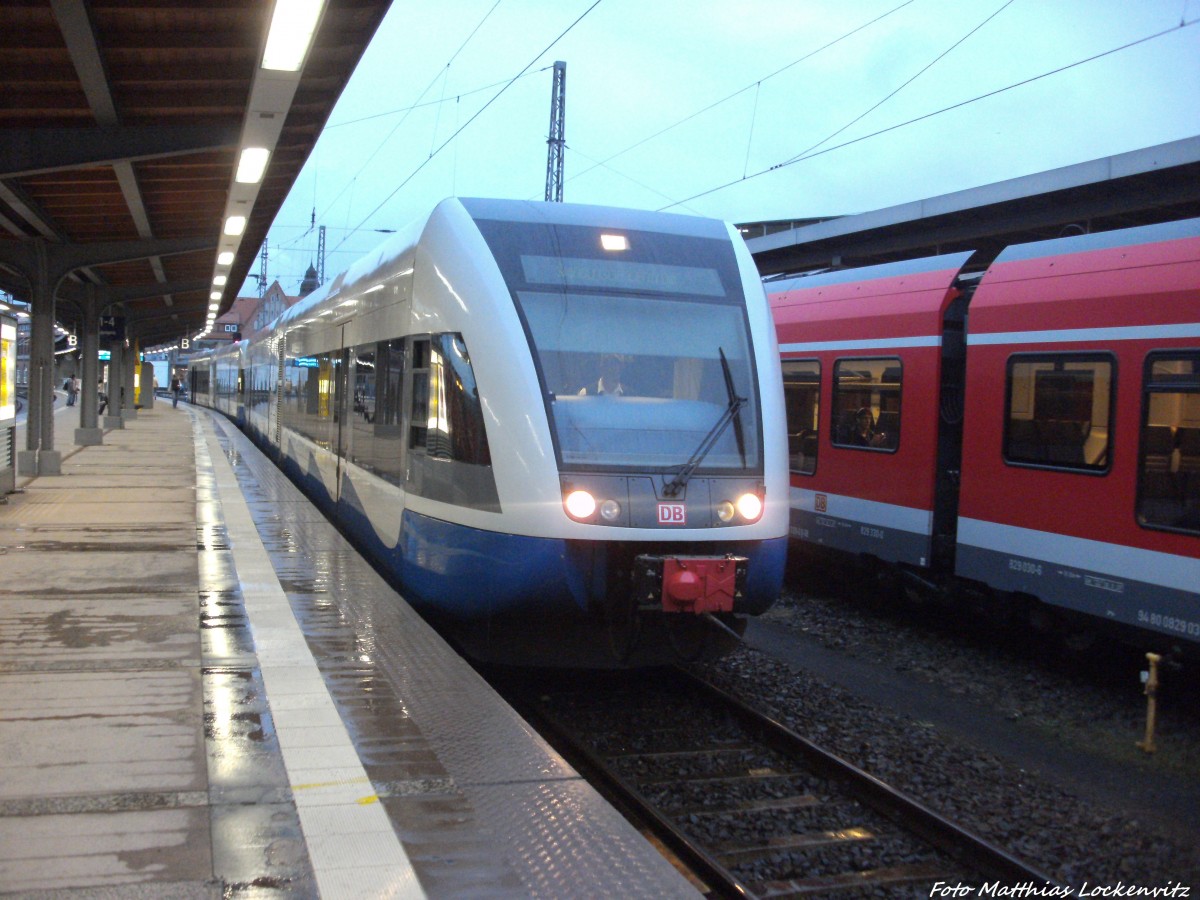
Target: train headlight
[580,505]
[750,506]
[725,510]
[610,510]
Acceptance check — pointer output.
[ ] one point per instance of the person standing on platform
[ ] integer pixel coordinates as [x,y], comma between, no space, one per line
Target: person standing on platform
[176,387]
[72,387]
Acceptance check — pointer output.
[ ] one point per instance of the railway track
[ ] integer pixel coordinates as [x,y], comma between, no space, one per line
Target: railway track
[748,806]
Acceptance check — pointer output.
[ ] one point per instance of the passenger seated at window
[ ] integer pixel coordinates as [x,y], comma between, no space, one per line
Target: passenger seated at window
[864,434]
[610,379]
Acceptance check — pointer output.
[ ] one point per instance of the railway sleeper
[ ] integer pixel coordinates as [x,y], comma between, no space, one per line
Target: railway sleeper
[713,750]
[847,881]
[783,804]
[732,852]
[753,776]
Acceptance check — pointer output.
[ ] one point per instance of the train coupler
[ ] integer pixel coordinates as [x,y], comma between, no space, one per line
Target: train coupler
[689,584]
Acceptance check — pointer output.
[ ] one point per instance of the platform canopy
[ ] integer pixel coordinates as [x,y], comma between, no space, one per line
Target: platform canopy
[1141,187]
[122,128]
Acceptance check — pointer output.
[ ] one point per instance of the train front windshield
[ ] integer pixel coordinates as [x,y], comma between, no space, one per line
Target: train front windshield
[641,342]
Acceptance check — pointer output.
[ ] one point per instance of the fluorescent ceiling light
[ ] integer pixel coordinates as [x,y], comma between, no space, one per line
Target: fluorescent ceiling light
[252,164]
[219,280]
[215,295]
[292,27]
[235,225]
[225,258]
[614,242]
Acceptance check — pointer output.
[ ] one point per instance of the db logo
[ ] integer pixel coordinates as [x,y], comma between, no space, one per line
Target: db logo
[821,503]
[672,514]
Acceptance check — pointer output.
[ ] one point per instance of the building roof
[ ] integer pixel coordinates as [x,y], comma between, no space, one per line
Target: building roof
[244,311]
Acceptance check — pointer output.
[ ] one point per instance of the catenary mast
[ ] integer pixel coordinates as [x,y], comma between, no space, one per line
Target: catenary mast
[557,139]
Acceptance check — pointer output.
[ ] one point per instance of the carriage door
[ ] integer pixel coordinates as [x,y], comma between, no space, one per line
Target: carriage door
[341,433]
[274,429]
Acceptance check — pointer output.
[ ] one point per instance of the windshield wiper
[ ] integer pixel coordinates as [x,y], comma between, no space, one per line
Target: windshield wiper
[676,484]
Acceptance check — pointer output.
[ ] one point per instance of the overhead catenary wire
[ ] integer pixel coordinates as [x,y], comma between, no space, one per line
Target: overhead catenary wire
[750,136]
[459,95]
[932,114]
[627,177]
[475,116]
[740,91]
[893,93]
[441,74]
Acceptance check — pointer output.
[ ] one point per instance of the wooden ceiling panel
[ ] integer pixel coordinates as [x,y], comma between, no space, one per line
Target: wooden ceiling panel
[125,63]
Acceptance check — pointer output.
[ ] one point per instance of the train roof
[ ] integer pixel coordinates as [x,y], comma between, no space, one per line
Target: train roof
[888,306]
[1112,285]
[900,269]
[390,251]
[1102,240]
[605,216]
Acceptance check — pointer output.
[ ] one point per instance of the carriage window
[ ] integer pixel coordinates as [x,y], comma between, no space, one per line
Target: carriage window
[200,381]
[802,398]
[1169,455]
[662,315]
[866,403]
[1059,408]
[376,436]
[447,413]
[310,396]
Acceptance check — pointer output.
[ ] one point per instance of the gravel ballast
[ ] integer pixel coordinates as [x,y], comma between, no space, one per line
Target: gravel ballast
[1030,747]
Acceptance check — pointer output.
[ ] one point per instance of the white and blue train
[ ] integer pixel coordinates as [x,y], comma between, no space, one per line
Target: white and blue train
[559,428]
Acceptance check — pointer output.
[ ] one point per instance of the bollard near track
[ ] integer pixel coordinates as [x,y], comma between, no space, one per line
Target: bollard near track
[1150,679]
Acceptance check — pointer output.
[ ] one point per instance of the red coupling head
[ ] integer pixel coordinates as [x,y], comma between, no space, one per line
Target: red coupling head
[699,585]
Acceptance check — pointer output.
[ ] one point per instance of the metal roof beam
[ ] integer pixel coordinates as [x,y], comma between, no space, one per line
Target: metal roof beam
[80,36]
[131,292]
[79,255]
[67,258]
[23,206]
[33,151]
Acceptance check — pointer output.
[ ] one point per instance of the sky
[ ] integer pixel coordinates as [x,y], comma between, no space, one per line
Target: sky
[742,110]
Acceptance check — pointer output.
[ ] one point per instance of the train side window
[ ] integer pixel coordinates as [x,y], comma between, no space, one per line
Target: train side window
[376,433]
[1168,492]
[419,405]
[802,399]
[866,403]
[310,397]
[1059,407]
[447,413]
[448,457]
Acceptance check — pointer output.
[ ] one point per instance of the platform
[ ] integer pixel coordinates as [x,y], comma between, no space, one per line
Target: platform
[208,693]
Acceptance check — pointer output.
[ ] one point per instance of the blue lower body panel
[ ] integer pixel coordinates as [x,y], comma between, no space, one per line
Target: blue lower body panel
[467,573]
[473,574]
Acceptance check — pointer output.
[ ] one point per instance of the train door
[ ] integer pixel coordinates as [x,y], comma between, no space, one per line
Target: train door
[242,396]
[273,419]
[373,436]
[950,413]
[341,432]
[446,454]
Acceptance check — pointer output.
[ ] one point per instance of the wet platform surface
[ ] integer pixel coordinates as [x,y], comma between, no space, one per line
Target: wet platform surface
[205,692]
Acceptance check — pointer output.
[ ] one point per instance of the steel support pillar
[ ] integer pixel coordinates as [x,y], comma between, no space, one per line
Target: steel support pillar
[88,433]
[39,456]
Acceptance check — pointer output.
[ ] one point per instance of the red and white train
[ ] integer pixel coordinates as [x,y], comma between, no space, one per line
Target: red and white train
[1031,434]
